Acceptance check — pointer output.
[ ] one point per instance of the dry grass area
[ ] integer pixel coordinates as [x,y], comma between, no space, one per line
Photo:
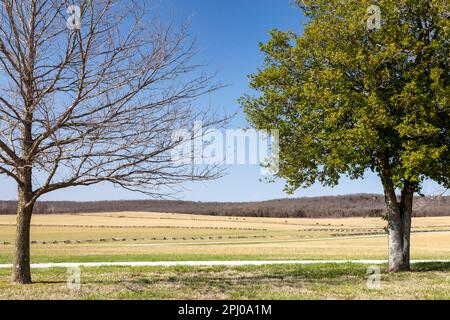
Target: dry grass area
[142,219]
[157,236]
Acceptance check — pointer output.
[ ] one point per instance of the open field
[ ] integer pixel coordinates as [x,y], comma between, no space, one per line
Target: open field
[172,237]
[119,237]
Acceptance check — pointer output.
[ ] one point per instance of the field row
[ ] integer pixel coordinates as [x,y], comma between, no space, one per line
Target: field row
[142,237]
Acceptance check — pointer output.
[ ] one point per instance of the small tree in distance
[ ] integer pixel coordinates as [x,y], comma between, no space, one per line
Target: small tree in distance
[348,99]
[91,94]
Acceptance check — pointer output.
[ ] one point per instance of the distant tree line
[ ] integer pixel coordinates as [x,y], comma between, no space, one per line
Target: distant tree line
[359,205]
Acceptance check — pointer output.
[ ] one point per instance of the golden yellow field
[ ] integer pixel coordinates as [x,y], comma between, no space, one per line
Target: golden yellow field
[159,236]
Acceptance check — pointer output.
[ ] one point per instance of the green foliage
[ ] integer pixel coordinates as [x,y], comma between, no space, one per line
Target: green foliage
[347,99]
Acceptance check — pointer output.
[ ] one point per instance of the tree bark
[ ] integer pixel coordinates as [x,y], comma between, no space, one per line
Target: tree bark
[399,225]
[406,207]
[21,266]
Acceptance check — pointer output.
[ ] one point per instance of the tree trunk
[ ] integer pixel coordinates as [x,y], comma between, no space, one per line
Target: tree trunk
[399,227]
[406,208]
[398,247]
[21,266]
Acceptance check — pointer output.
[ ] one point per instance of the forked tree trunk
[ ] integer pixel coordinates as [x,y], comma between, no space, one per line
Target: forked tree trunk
[21,266]
[399,227]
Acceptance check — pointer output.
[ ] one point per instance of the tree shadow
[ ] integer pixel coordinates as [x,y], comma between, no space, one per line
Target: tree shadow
[431,266]
[49,282]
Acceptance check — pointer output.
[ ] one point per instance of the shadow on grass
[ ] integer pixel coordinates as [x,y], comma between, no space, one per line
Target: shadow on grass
[431,266]
[243,276]
[49,282]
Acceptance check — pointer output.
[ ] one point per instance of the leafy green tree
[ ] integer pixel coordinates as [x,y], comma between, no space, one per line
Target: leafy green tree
[349,97]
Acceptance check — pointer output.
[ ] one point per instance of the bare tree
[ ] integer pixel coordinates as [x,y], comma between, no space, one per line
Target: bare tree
[91,104]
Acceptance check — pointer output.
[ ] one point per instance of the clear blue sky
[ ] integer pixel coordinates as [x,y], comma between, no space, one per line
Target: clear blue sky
[228,33]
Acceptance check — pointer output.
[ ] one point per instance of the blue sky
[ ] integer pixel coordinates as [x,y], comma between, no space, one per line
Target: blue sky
[228,34]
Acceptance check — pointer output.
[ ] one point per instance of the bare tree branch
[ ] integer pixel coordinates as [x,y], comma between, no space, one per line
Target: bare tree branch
[98,104]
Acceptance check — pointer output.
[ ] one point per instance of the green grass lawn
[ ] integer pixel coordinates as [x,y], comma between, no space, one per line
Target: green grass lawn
[348,281]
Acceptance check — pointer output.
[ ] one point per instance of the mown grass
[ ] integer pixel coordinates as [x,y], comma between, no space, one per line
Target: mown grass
[348,281]
[424,246]
[190,237]
[7,259]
